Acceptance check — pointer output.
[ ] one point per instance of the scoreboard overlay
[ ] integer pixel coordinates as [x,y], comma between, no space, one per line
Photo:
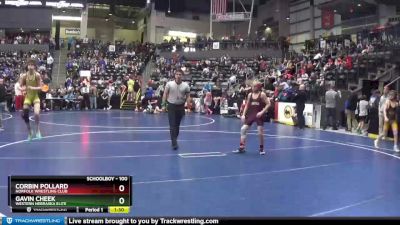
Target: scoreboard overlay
[74,194]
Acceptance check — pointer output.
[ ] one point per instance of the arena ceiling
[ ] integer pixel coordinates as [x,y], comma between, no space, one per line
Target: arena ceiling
[350,9]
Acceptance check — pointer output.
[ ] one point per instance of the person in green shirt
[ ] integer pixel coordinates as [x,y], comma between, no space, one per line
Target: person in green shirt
[131,83]
[32,83]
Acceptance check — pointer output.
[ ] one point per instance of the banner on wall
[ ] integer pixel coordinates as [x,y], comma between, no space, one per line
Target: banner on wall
[328,19]
[286,110]
[347,43]
[354,38]
[111,48]
[215,45]
[84,73]
[394,20]
[323,44]
[72,31]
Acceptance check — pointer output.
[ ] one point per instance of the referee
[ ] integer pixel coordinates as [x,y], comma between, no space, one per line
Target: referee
[175,95]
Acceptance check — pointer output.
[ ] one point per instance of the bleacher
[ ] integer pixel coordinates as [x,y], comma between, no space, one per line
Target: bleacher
[195,77]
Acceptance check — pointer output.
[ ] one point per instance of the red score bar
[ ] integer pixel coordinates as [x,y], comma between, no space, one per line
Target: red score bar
[99,189]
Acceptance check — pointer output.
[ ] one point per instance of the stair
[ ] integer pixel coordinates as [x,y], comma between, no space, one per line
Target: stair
[128,105]
[55,73]
[383,74]
[356,86]
[147,73]
[59,72]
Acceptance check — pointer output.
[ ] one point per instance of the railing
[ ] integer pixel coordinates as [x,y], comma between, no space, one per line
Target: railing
[123,93]
[388,73]
[222,45]
[395,80]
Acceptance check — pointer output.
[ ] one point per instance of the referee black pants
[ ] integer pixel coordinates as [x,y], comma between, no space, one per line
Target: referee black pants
[175,115]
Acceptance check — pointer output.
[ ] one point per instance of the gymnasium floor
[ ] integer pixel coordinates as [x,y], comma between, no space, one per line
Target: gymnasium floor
[304,173]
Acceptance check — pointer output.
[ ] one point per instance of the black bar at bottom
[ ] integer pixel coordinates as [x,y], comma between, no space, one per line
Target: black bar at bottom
[59,209]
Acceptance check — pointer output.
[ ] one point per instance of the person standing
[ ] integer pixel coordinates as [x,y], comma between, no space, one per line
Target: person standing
[331,98]
[130,85]
[351,112]
[256,106]
[362,108]
[175,96]
[3,101]
[32,82]
[382,103]
[93,96]
[390,120]
[19,97]
[300,100]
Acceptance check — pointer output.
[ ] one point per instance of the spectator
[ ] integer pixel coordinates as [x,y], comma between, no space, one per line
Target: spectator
[3,103]
[362,110]
[19,97]
[207,103]
[382,102]
[300,100]
[50,62]
[130,83]
[85,91]
[93,96]
[331,98]
[351,112]
[105,97]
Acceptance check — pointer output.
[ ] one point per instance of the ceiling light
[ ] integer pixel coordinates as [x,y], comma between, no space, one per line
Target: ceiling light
[35,3]
[77,5]
[67,18]
[17,3]
[359,5]
[174,33]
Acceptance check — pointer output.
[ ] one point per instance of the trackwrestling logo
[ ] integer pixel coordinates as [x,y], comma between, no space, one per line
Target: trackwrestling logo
[32,221]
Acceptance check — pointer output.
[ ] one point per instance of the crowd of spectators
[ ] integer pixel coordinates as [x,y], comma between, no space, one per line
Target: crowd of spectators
[13,64]
[201,43]
[27,38]
[109,70]
[216,83]
[223,82]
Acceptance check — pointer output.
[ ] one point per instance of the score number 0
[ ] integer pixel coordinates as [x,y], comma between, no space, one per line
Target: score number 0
[121,188]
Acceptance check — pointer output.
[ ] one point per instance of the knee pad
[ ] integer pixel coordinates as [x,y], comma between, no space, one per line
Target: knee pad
[25,115]
[243,131]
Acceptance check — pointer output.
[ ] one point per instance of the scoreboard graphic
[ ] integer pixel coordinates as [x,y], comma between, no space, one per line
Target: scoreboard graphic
[71,194]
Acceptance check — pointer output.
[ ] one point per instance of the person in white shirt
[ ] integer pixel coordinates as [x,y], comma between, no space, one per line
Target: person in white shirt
[19,97]
[362,108]
[232,80]
[382,103]
[110,92]
[85,94]
[50,61]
